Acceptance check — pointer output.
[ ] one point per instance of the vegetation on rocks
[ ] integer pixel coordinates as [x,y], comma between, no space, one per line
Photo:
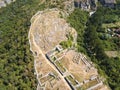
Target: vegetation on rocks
[68,43]
[78,21]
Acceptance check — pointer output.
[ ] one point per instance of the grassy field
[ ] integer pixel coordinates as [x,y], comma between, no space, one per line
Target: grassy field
[111,25]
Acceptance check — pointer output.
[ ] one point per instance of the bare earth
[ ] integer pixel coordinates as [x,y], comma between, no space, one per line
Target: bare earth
[40,45]
[46,32]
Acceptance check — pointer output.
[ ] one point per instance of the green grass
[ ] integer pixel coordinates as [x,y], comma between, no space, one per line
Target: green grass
[60,66]
[71,80]
[66,44]
[109,45]
[111,25]
[53,58]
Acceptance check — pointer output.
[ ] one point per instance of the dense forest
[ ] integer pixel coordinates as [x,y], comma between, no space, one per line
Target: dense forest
[78,20]
[16,61]
[95,45]
[90,42]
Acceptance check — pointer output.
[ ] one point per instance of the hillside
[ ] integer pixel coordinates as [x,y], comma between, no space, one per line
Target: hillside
[53,44]
[75,71]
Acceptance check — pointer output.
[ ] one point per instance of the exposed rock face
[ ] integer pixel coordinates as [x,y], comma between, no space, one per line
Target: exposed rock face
[49,29]
[86,4]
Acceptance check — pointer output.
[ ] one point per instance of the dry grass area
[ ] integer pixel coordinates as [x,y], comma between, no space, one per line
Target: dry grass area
[49,29]
[89,84]
[104,87]
[43,38]
[43,69]
[112,53]
[42,66]
[77,70]
[58,86]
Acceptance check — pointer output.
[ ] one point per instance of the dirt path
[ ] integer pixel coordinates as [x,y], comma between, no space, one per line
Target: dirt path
[39,51]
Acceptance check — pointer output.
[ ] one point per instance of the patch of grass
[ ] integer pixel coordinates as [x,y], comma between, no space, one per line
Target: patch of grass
[72,80]
[78,77]
[43,80]
[65,62]
[112,53]
[111,25]
[80,88]
[90,84]
[53,58]
[60,66]
[66,44]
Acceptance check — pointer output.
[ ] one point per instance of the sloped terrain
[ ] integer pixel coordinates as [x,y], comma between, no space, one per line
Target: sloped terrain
[57,67]
[49,30]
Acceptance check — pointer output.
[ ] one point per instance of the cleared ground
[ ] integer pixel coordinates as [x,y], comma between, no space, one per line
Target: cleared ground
[43,37]
[46,32]
[77,70]
[113,53]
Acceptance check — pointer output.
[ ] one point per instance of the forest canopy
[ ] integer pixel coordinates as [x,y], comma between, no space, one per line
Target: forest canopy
[16,61]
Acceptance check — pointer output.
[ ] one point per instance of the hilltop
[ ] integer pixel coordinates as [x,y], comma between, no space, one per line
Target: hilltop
[92,43]
[52,42]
